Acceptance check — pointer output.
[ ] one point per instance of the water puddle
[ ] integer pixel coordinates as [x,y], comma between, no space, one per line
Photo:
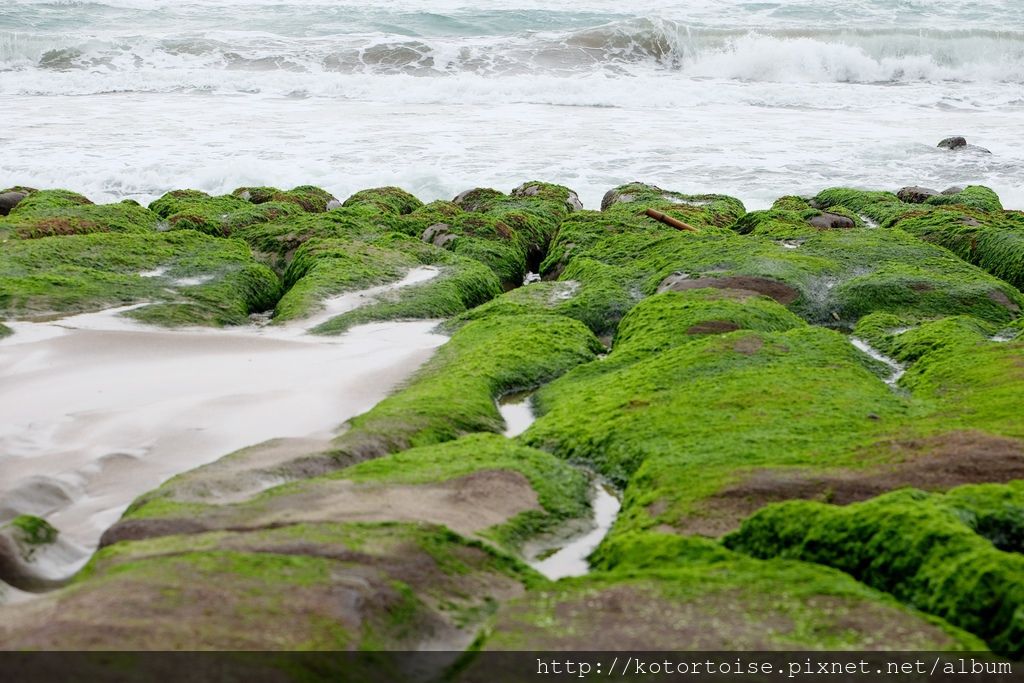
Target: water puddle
[897,370]
[571,558]
[515,409]
[567,556]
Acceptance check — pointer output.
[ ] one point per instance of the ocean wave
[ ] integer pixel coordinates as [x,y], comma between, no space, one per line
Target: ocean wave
[619,49]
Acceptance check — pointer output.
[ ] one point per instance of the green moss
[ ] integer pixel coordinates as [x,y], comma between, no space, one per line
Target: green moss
[59,212]
[562,490]
[675,425]
[190,278]
[508,233]
[385,200]
[308,198]
[454,393]
[219,216]
[909,544]
[729,602]
[34,530]
[971,224]
[669,319]
[5,331]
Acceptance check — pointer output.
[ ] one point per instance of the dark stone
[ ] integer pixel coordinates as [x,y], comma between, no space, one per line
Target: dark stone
[915,194]
[959,142]
[438,234]
[611,197]
[139,529]
[956,189]
[9,200]
[832,221]
[955,142]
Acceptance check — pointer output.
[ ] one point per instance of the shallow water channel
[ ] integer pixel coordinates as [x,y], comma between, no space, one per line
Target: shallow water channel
[564,555]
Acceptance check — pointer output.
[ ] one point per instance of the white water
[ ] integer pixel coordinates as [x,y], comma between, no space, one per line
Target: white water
[131,98]
[570,559]
[897,369]
[99,409]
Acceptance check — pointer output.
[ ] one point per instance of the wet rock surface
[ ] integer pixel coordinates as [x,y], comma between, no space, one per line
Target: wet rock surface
[771,377]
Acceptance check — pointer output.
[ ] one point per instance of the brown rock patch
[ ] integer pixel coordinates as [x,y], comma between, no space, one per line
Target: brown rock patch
[936,463]
[750,285]
[713,327]
[748,346]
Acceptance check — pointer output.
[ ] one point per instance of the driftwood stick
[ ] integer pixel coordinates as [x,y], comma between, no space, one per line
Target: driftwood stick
[668,220]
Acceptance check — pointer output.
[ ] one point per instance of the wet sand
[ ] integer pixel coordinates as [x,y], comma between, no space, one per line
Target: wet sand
[99,409]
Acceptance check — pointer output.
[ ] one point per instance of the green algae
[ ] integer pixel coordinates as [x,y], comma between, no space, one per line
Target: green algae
[195,279]
[385,200]
[971,224]
[308,198]
[454,393]
[562,490]
[508,233]
[730,602]
[34,530]
[220,216]
[907,543]
[48,213]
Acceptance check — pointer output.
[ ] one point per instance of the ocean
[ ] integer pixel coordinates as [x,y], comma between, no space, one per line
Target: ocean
[131,98]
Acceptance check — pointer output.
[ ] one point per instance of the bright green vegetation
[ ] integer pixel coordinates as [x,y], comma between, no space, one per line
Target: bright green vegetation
[47,213]
[971,224]
[219,216]
[508,233]
[915,545]
[562,490]
[455,392]
[309,198]
[676,424]
[714,599]
[296,587]
[189,278]
[723,382]
[34,530]
[385,200]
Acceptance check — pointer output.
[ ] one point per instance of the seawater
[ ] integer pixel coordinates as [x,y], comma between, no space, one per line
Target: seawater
[131,98]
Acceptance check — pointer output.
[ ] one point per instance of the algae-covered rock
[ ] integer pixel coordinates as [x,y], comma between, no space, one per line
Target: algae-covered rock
[914,545]
[185,277]
[47,213]
[219,216]
[508,233]
[309,198]
[721,601]
[296,587]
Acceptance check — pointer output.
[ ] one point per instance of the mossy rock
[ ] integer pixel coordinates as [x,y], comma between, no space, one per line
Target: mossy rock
[915,545]
[970,223]
[482,486]
[454,393]
[308,198]
[385,200]
[297,587]
[186,277]
[220,216]
[728,602]
[47,213]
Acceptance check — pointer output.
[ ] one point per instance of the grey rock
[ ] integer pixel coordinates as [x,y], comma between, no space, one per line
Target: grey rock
[9,200]
[956,189]
[438,234]
[955,142]
[915,194]
[333,204]
[831,221]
